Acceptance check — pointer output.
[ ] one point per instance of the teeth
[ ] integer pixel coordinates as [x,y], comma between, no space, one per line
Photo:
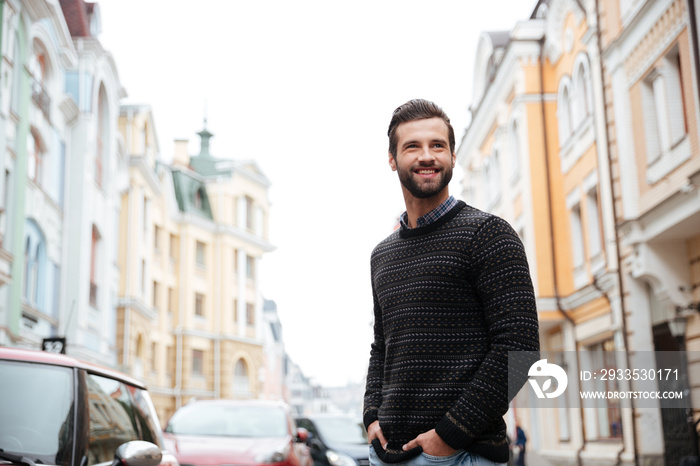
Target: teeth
[425,172]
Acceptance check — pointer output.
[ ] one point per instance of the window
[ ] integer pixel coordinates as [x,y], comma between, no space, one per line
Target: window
[35,159]
[171,300]
[250,314]
[199,304]
[198,362]
[94,265]
[235,310]
[201,250]
[250,267]
[593,220]
[582,104]
[662,99]
[37,69]
[514,150]
[493,178]
[174,245]
[154,357]
[250,213]
[146,209]
[607,412]
[564,111]
[34,266]
[156,238]
[143,278]
[156,295]
[576,236]
[118,413]
[241,379]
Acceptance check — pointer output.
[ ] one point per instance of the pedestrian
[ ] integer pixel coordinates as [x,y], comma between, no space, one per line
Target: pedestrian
[520,441]
[452,296]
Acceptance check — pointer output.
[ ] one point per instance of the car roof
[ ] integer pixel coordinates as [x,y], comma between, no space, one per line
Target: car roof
[53,359]
[225,402]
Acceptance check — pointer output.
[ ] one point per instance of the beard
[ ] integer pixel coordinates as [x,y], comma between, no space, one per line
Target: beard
[423,189]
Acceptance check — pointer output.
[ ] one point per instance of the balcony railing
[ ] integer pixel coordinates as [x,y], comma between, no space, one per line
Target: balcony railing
[41,99]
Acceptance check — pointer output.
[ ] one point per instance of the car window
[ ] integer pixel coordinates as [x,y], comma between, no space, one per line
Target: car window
[36,411]
[145,416]
[112,420]
[341,430]
[308,425]
[229,421]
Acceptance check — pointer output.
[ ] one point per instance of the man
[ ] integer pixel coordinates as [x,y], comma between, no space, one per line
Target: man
[452,296]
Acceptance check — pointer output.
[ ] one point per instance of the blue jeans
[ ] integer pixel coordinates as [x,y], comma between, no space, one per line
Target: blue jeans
[460,458]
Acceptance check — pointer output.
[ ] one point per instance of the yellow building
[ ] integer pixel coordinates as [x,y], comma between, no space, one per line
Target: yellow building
[193,233]
[564,113]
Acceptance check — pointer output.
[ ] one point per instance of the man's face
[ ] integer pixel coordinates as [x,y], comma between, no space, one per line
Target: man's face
[423,159]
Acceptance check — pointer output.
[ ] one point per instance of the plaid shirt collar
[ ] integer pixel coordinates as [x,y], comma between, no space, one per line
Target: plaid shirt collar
[431,216]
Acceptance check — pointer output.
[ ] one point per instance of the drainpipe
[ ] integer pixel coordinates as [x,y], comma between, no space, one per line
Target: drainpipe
[555,285]
[179,357]
[620,282]
[694,38]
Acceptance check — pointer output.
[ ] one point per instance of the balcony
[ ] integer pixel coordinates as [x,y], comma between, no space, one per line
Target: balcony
[41,99]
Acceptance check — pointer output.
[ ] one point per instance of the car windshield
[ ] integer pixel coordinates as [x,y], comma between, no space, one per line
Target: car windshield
[229,421]
[36,410]
[341,430]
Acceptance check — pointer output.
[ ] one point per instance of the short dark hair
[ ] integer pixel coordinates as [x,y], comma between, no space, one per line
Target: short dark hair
[417,109]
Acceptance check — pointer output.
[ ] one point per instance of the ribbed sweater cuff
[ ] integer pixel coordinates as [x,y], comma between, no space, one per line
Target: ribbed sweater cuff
[452,435]
[370,416]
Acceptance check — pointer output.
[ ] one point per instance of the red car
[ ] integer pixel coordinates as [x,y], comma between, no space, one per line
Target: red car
[245,433]
[57,410]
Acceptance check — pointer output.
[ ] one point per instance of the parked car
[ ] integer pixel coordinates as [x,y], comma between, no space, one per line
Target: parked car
[253,432]
[57,410]
[336,440]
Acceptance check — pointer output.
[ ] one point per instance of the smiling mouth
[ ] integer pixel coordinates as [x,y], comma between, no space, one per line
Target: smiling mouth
[426,171]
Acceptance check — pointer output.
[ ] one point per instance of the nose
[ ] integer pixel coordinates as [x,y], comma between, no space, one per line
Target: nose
[426,155]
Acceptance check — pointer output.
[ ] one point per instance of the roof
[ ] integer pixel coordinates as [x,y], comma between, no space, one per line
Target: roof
[53,359]
[191,194]
[77,14]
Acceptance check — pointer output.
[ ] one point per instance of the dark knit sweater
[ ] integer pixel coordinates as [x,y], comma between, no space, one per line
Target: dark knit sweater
[451,299]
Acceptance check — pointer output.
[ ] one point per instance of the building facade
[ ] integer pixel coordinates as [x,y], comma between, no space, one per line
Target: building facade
[193,233]
[58,114]
[546,150]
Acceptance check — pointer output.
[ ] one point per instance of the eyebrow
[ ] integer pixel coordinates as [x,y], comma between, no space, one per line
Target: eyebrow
[432,141]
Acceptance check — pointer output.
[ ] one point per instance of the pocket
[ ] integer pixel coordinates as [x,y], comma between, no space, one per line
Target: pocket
[453,458]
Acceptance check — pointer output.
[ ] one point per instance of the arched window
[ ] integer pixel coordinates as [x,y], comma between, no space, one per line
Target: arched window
[564,111]
[34,266]
[241,379]
[582,91]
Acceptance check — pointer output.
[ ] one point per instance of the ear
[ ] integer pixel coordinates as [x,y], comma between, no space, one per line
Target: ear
[454,159]
[392,162]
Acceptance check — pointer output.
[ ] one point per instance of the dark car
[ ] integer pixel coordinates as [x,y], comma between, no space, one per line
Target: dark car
[231,432]
[57,410]
[336,440]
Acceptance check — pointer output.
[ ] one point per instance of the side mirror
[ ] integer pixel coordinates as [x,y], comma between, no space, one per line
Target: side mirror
[302,434]
[137,453]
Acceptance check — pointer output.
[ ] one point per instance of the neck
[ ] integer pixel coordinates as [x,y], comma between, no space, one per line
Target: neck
[418,207]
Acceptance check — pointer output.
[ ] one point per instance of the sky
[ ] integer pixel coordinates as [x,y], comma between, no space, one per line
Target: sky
[306,89]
